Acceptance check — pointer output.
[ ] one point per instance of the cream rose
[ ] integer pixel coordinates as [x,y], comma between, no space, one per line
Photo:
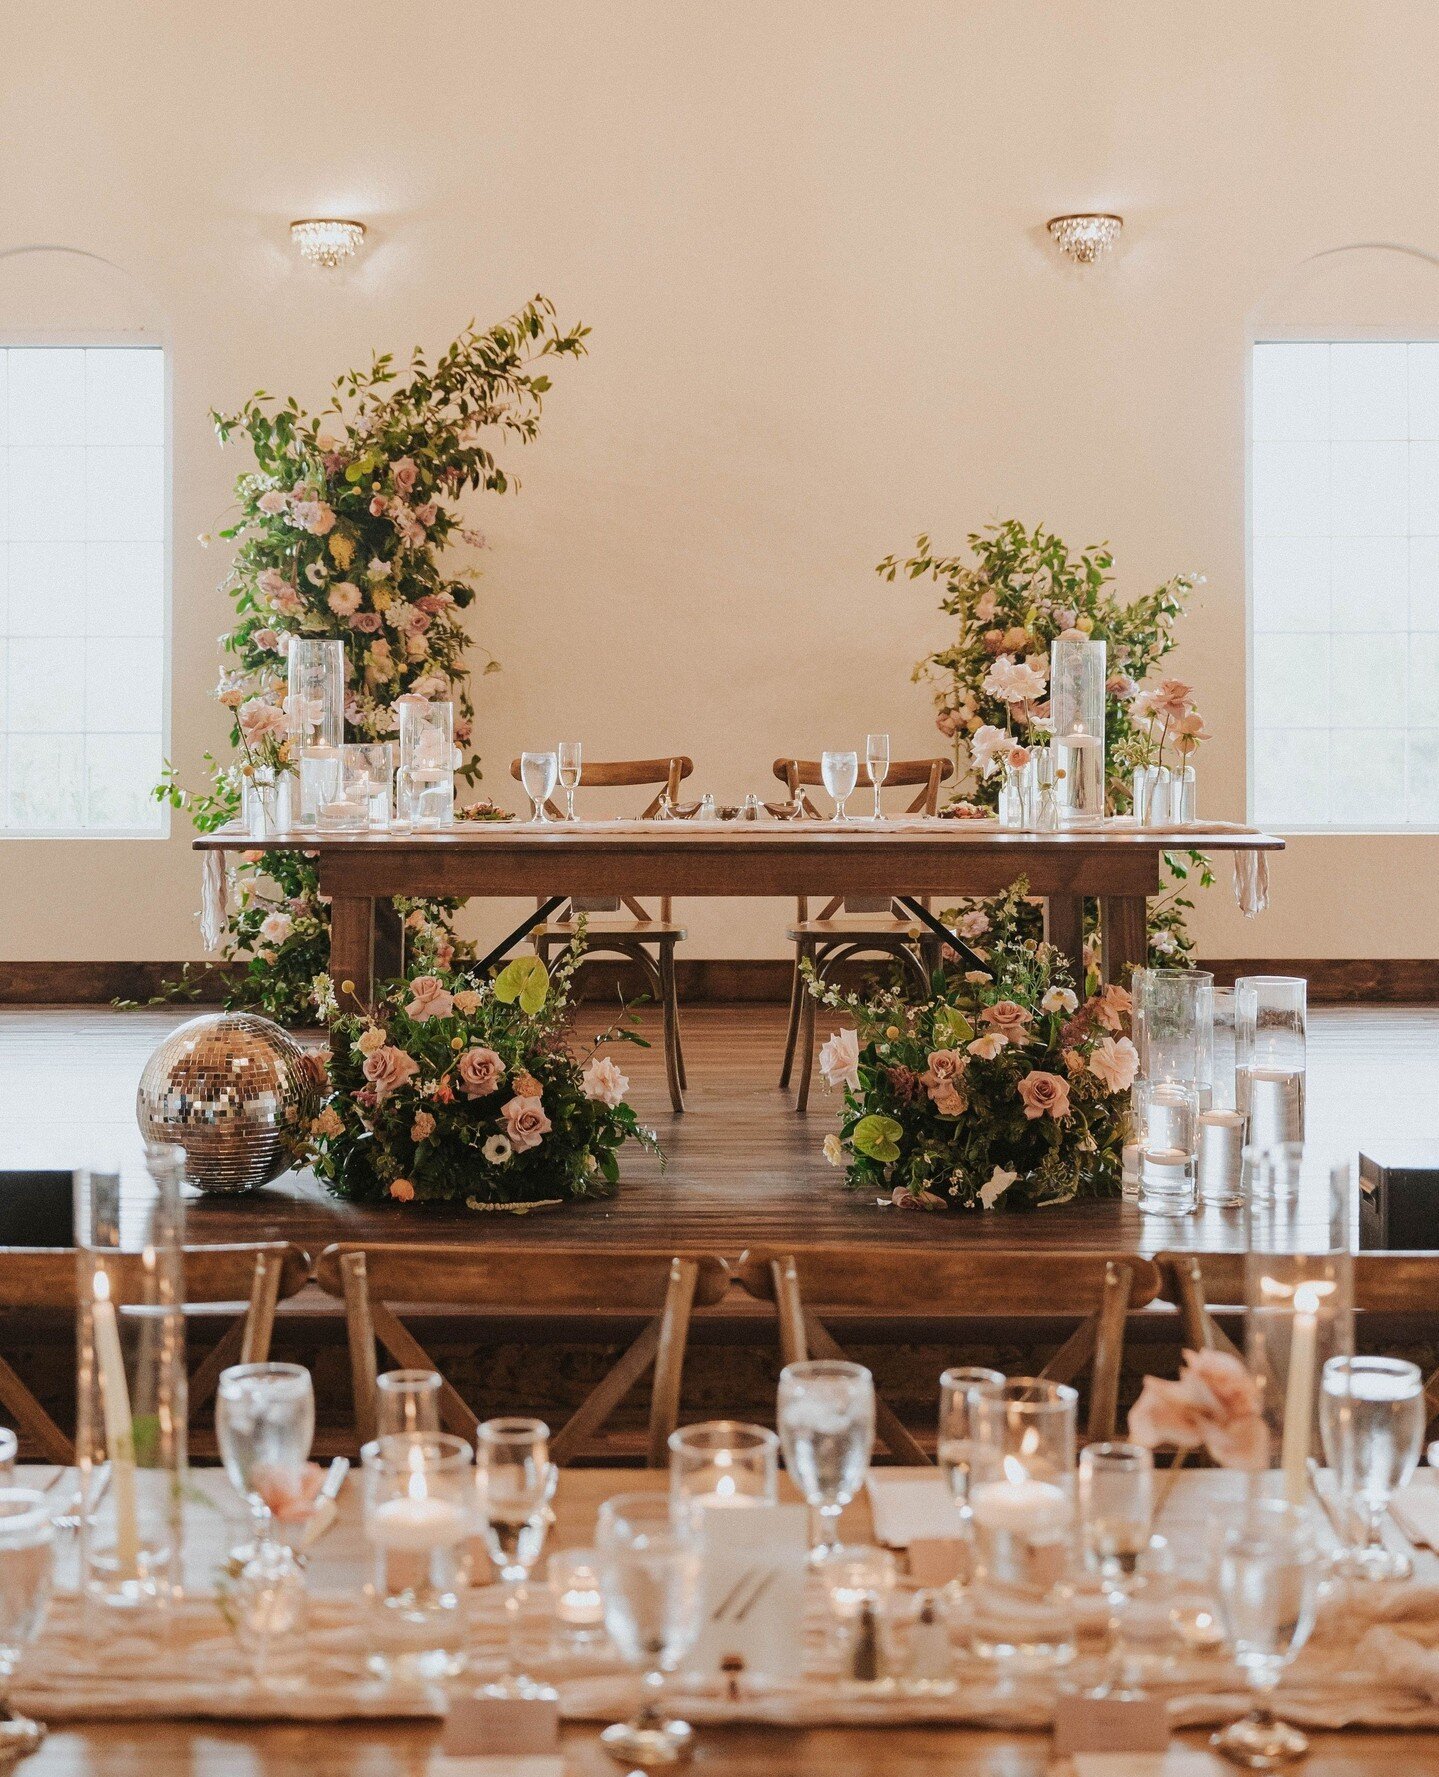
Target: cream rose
[276,927]
[602,1080]
[839,1059]
[1114,1063]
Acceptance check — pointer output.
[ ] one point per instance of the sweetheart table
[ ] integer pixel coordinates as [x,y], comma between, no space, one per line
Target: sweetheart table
[1118,865]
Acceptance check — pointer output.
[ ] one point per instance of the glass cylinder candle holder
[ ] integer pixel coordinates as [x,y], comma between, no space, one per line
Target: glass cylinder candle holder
[131,1397]
[577,1605]
[1299,1314]
[1022,1512]
[1076,695]
[319,784]
[724,1463]
[1270,1055]
[420,1516]
[315,702]
[425,782]
[367,772]
[1174,1027]
[1169,1148]
[1221,1158]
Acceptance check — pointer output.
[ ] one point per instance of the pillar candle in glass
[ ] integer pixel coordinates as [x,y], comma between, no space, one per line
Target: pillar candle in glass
[367,770]
[1174,1027]
[723,1462]
[1076,696]
[420,1516]
[425,783]
[315,704]
[1270,1053]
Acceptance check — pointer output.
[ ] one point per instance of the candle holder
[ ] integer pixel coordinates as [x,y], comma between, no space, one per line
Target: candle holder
[1077,708]
[425,782]
[315,705]
[420,1515]
[576,1602]
[1270,1055]
[368,772]
[723,1463]
[131,1398]
[1174,1027]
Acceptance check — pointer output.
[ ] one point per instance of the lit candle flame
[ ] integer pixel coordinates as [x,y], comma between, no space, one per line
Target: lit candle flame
[417,1488]
[1014,1470]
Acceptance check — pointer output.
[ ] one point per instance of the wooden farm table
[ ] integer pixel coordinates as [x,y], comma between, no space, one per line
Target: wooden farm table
[1118,865]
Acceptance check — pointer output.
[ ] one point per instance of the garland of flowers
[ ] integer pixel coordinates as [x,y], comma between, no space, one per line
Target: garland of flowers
[1021,591]
[998,1091]
[451,1090]
[343,525]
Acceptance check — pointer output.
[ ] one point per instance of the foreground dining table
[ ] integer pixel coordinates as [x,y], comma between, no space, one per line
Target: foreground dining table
[1118,865]
[217,1747]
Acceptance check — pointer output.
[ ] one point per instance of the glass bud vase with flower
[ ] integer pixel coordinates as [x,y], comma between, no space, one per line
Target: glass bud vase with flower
[1163,783]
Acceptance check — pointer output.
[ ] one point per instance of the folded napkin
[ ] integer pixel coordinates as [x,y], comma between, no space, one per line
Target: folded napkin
[909,1510]
[1415,1508]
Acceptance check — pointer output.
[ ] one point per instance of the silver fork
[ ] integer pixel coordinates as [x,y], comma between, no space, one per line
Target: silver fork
[73,1520]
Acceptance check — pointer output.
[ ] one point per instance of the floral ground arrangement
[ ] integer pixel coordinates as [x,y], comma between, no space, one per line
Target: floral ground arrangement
[999,1091]
[448,1091]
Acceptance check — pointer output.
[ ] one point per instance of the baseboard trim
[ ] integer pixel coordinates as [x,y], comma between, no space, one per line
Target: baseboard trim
[712,980]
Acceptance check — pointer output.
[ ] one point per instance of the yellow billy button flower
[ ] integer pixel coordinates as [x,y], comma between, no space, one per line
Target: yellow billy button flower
[1086,624]
[892,1032]
[457,1043]
[347,987]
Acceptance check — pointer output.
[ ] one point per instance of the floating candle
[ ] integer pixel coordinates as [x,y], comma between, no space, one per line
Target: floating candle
[416,1526]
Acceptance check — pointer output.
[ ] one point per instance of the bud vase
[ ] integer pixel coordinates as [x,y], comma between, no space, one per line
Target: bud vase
[267,802]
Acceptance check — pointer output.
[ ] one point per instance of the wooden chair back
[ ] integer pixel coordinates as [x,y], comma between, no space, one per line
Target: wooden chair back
[1100,1289]
[260,1275]
[799,775]
[664,776]
[369,1279]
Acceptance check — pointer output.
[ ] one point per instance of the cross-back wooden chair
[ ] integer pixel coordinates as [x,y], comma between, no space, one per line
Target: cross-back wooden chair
[369,1279]
[1099,1289]
[259,1275]
[850,925]
[619,925]
[1401,1283]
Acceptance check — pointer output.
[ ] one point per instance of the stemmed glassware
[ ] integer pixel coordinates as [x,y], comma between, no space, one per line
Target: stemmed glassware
[567,757]
[826,1428]
[1116,1504]
[876,763]
[516,1481]
[537,773]
[650,1568]
[1371,1422]
[27,1562]
[958,1388]
[1266,1581]
[407,1403]
[840,772]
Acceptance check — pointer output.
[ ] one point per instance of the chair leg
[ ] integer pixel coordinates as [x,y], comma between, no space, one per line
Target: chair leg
[796,1006]
[679,1047]
[668,1000]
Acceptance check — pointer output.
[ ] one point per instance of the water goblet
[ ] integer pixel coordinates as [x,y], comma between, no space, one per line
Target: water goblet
[27,1561]
[840,772]
[567,758]
[407,1403]
[537,774]
[650,1570]
[1267,1582]
[1116,1505]
[876,763]
[9,1450]
[826,1426]
[1371,1422]
[516,1482]
[958,1388]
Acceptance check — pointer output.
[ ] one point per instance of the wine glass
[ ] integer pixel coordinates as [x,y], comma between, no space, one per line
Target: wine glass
[958,1388]
[649,1562]
[876,763]
[840,772]
[537,774]
[407,1403]
[567,757]
[1371,1420]
[516,1481]
[1266,1581]
[826,1427]
[1116,1506]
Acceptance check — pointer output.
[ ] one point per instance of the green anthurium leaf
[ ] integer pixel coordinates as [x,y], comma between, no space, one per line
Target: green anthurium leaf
[877,1138]
[525,980]
[951,1028]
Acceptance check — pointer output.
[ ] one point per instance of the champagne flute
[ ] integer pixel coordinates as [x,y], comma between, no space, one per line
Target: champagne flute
[407,1403]
[840,772]
[876,763]
[27,1562]
[537,774]
[516,1482]
[1267,1582]
[1371,1421]
[958,1389]
[1116,1505]
[567,756]
[650,1569]
[826,1428]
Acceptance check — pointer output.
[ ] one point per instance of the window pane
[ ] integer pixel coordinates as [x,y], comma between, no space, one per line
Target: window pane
[82,588]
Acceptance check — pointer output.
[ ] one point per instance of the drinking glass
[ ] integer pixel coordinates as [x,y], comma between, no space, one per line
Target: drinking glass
[1116,1506]
[516,1483]
[649,1557]
[840,772]
[724,1463]
[826,1425]
[958,1389]
[537,773]
[407,1403]
[27,1560]
[567,758]
[1371,1423]
[1266,1581]
[876,763]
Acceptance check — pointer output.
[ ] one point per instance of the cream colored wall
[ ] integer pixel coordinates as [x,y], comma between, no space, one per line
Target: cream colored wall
[808,237]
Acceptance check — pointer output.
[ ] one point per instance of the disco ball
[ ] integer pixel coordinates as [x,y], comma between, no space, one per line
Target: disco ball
[238,1096]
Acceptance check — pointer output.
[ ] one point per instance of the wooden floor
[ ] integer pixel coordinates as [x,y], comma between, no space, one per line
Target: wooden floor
[742,1169]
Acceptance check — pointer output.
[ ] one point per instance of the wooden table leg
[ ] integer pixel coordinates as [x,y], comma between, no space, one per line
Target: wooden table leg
[1124,922]
[352,945]
[1064,928]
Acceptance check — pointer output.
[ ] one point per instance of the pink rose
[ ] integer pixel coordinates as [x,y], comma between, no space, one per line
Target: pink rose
[839,1060]
[289,1493]
[428,685]
[260,720]
[986,605]
[974,924]
[287,602]
[941,1078]
[1215,1403]
[367,622]
[429,998]
[427,514]
[404,474]
[271,582]
[378,506]
[387,1070]
[1114,1063]
[948,723]
[1045,1095]
[272,501]
[602,1080]
[479,1072]
[268,639]
[1008,1018]
[343,598]
[313,516]
[525,1123]
[1110,1006]
[1120,685]
[432,603]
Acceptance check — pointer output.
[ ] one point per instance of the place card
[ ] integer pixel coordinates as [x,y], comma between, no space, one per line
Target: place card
[549,1764]
[752,1594]
[1178,1761]
[1109,1725]
[501,1727]
[1415,1508]
[914,1507]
